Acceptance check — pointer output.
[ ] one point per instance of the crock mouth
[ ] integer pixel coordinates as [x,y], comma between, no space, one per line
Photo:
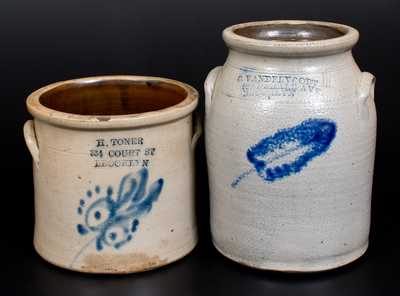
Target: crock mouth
[108,102]
[290,38]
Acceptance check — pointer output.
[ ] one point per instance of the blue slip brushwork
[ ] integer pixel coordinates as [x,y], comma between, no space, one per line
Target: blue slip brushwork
[115,217]
[289,150]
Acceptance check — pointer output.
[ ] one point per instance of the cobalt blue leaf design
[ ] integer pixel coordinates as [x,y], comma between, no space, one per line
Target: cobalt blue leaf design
[289,150]
[114,219]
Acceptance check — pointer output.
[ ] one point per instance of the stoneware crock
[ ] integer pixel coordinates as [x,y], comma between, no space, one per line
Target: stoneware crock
[290,141]
[113,172]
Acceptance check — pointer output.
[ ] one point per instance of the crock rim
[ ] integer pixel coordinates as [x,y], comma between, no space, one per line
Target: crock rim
[71,120]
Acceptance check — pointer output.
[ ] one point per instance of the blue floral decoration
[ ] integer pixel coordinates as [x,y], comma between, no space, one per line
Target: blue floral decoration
[115,217]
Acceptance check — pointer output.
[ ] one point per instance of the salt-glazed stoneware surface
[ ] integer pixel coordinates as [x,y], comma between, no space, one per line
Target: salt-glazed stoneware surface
[114,172]
[290,136]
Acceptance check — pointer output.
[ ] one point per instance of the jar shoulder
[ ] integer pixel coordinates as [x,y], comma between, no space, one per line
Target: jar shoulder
[244,76]
[253,92]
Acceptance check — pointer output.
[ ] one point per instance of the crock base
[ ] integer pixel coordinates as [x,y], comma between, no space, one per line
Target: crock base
[184,251]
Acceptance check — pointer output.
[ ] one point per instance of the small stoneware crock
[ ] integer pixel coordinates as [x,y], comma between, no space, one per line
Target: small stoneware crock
[113,172]
[290,142]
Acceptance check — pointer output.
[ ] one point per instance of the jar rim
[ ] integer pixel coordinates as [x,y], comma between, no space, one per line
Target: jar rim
[263,38]
[72,120]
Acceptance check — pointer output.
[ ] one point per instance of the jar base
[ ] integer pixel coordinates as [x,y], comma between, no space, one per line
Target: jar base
[303,266]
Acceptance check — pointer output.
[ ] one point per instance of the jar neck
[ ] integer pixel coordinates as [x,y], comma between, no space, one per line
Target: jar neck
[239,59]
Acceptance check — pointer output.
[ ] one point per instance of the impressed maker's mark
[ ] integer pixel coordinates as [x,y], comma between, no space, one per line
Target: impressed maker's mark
[255,84]
[121,152]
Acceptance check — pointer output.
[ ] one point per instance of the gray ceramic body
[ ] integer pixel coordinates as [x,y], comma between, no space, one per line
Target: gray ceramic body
[290,141]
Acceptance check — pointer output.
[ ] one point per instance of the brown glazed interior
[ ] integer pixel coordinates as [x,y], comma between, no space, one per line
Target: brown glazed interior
[113,97]
[289,32]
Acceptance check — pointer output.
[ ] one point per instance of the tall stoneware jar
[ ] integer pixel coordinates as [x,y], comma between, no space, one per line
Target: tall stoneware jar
[290,141]
[114,172]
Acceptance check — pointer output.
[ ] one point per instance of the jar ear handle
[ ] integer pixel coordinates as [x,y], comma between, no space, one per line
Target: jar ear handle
[209,86]
[365,94]
[366,87]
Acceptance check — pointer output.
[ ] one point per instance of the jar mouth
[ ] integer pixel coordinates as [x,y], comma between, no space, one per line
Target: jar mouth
[112,101]
[289,32]
[290,38]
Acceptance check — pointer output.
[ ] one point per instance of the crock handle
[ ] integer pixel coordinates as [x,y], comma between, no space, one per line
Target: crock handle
[209,86]
[197,129]
[31,141]
[366,87]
